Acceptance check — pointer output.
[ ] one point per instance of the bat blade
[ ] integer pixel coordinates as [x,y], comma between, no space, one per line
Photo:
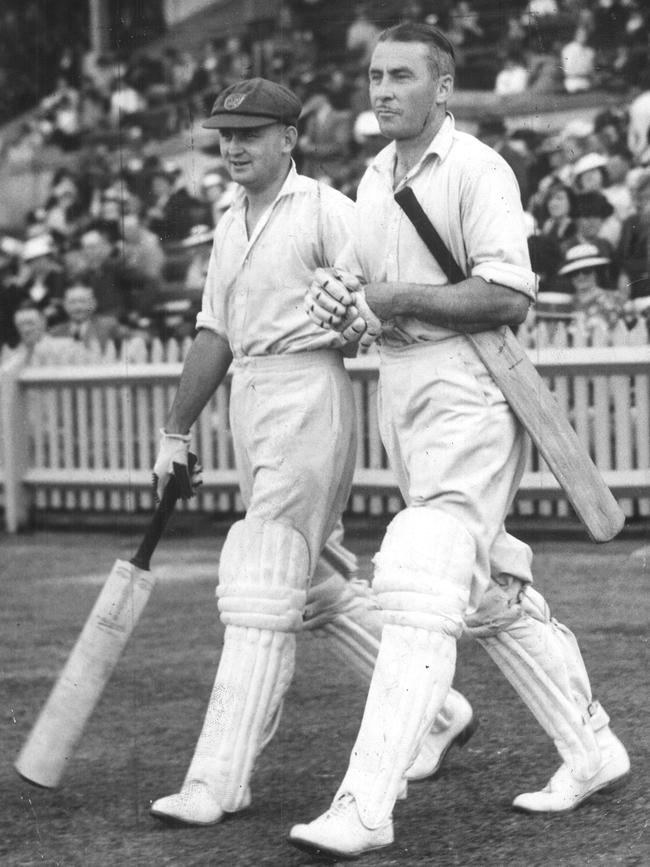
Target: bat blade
[549,429]
[45,754]
[43,759]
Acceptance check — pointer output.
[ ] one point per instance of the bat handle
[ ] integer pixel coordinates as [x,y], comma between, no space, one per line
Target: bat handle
[163,512]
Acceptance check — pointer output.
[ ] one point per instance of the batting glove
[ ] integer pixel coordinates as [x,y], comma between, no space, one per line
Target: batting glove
[327,300]
[362,325]
[172,459]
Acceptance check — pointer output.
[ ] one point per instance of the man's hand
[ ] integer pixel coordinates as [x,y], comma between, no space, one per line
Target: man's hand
[328,298]
[335,300]
[173,459]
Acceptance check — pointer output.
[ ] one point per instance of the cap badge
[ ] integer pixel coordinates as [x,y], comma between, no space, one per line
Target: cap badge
[233,101]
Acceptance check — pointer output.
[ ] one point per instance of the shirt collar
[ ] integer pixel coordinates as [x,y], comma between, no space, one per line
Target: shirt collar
[440,146]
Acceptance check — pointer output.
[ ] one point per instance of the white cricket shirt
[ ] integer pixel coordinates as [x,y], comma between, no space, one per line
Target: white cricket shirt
[255,287]
[471,196]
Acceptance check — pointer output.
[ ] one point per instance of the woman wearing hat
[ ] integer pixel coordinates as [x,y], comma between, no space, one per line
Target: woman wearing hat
[591,175]
[586,270]
[591,211]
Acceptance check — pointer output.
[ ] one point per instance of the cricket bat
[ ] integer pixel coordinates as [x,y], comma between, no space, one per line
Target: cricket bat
[531,400]
[60,725]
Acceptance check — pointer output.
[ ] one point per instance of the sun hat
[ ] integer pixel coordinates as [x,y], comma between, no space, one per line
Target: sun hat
[589,162]
[582,256]
[39,245]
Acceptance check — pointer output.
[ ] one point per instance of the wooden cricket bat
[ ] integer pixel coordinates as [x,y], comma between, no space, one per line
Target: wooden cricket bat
[530,400]
[60,725]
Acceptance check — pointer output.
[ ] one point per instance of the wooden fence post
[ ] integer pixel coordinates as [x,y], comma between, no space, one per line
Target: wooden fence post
[15,437]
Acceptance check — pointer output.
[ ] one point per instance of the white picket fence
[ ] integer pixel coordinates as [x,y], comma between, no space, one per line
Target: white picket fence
[83,439]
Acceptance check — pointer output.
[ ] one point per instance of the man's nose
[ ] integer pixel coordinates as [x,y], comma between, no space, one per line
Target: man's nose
[381,89]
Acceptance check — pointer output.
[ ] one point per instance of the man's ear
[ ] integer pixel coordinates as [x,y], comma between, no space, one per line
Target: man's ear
[290,139]
[444,89]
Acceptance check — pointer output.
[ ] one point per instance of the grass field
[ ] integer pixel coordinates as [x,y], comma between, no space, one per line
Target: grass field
[139,741]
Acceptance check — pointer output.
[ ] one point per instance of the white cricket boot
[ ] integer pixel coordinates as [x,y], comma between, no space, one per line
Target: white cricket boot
[454,726]
[340,833]
[193,805]
[565,791]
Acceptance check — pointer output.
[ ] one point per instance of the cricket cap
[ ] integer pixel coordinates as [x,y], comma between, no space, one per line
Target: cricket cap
[254,102]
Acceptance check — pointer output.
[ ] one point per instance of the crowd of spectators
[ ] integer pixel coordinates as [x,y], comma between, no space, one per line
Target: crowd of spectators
[119,230]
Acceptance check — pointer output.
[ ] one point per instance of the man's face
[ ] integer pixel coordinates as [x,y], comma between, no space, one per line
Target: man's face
[30,325]
[79,303]
[96,248]
[256,157]
[404,93]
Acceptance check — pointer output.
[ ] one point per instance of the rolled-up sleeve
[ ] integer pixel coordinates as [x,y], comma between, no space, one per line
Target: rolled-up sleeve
[493,227]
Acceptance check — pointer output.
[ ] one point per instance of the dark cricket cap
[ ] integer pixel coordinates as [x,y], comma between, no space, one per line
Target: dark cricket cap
[254,102]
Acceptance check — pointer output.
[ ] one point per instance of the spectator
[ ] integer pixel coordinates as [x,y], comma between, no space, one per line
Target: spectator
[66,211]
[634,246]
[213,185]
[120,291]
[59,113]
[41,278]
[125,102]
[617,190]
[493,131]
[36,346]
[235,62]
[465,30]
[83,324]
[592,209]
[576,139]
[361,36]
[326,140]
[142,253]
[545,259]
[544,71]
[590,176]
[170,210]
[594,301]
[579,63]
[99,70]
[555,213]
[11,294]
[199,241]
[513,76]
[639,124]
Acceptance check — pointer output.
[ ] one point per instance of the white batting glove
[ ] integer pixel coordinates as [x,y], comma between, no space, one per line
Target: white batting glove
[174,450]
[327,300]
[363,326]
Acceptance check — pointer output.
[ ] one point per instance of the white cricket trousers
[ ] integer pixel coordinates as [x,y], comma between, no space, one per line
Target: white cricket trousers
[455,445]
[293,423]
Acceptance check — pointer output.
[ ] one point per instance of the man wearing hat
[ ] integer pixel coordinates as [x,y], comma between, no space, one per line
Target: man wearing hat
[292,418]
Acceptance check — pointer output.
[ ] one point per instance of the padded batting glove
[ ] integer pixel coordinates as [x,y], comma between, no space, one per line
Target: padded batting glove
[362,325]
[173,459]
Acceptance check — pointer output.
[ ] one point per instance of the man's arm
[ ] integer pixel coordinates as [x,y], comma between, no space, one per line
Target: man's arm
[205,367]
[469,306]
